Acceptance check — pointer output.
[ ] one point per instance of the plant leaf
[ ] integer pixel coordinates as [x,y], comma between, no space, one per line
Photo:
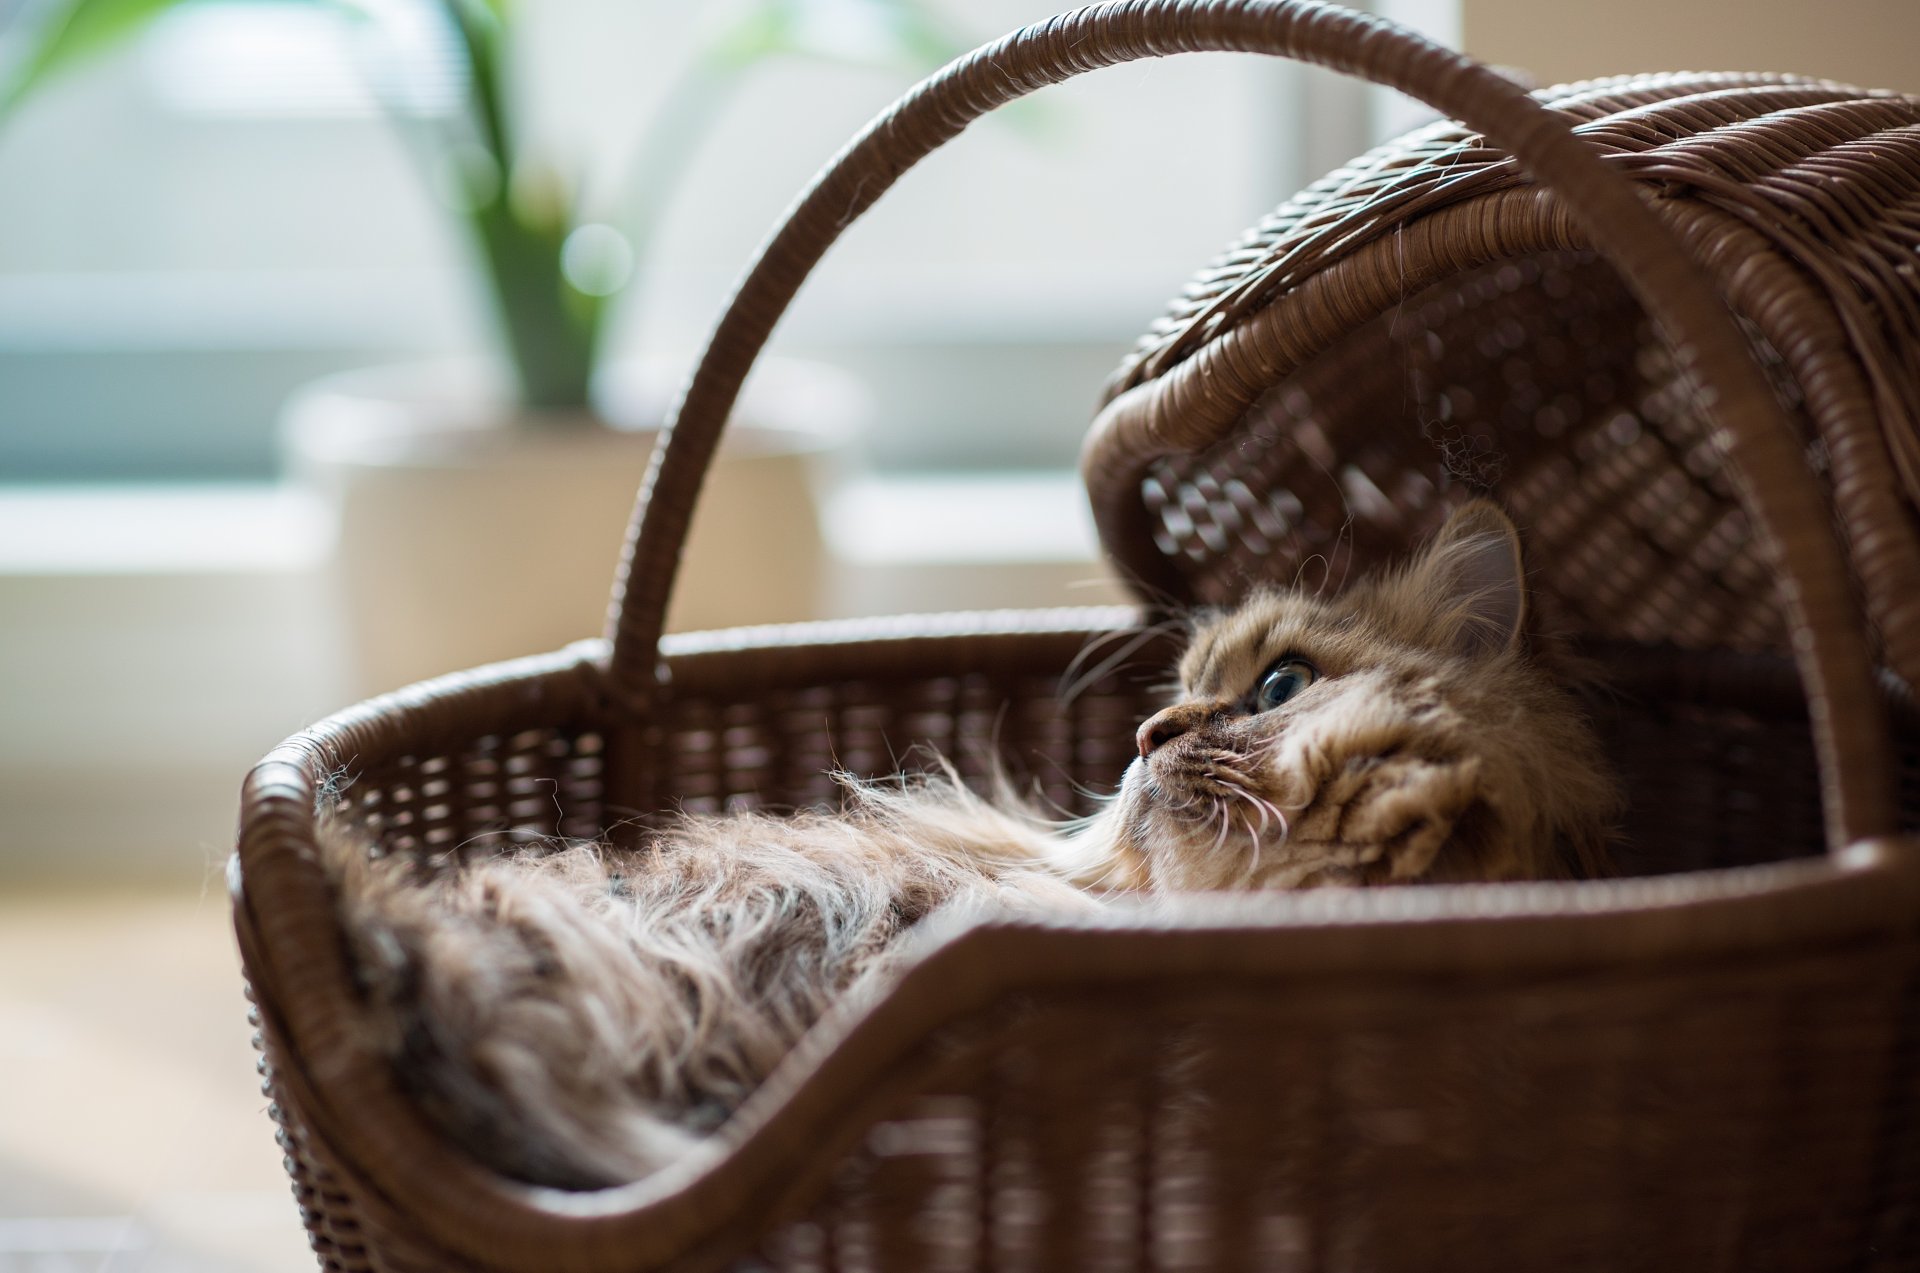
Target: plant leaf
[896,33]
[71,33]
[480,26]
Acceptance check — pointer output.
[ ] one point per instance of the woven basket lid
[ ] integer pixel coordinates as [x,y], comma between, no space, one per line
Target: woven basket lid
[1426,323]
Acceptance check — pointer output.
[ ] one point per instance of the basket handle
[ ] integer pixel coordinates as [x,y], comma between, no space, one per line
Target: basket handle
[1787,508]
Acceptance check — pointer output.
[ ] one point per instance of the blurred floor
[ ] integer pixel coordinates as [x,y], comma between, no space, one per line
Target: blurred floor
[133,1136]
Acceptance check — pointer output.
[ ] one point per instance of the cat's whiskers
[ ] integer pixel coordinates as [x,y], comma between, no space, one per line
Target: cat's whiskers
[1078,676]
[1235,787]
[1270,810]
[1253,865]
[1230,771]
[1268,816]
[1225,811]
[1195,796]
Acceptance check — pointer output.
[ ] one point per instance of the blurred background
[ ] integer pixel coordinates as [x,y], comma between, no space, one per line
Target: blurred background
[330,334]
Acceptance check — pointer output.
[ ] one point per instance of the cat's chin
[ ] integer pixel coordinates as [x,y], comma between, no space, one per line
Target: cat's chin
[1193,836]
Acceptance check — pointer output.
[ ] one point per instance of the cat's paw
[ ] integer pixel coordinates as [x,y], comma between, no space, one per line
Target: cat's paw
[1398,809]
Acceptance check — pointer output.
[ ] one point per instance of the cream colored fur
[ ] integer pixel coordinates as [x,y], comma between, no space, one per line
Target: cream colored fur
[579,1017]
[1438,745]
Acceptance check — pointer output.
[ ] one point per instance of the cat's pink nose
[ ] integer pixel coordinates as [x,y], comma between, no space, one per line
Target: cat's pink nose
[1162,728]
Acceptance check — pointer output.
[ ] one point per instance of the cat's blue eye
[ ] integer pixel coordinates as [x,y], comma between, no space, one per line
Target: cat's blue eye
[1282,681]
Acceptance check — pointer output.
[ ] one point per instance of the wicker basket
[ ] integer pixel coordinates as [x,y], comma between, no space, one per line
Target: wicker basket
[1712,1069]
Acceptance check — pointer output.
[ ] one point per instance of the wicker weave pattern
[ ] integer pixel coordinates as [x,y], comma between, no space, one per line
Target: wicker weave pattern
[1719,763]
[1337,1134]
[1637,532]
[1714,1070]
[1802,195]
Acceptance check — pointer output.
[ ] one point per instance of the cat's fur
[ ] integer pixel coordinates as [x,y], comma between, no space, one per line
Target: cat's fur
[580,1017]
[1439,723]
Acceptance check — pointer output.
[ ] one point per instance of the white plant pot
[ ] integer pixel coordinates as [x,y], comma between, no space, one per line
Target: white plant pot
[470,530]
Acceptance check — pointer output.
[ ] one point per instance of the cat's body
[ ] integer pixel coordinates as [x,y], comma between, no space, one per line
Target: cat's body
[580,1017]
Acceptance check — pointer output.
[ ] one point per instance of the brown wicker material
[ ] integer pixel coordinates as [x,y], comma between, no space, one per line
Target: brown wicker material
[1707,1069]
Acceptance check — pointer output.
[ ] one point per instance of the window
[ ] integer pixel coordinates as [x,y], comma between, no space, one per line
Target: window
[193,228]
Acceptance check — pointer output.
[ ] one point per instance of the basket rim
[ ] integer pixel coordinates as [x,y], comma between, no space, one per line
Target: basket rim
[294,954]
[832,1088]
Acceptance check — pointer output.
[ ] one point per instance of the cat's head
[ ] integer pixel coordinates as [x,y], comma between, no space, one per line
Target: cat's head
[1401,730]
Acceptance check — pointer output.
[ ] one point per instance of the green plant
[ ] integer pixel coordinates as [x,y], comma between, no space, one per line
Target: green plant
[552,269]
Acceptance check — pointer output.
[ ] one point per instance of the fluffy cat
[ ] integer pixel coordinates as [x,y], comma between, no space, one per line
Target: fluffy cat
[580,1017]
[1406,729]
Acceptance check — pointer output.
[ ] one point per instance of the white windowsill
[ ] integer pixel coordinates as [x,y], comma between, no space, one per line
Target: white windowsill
[183,529]
[972,519]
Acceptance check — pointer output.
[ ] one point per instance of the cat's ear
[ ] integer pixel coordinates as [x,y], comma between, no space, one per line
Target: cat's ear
[1472,572]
